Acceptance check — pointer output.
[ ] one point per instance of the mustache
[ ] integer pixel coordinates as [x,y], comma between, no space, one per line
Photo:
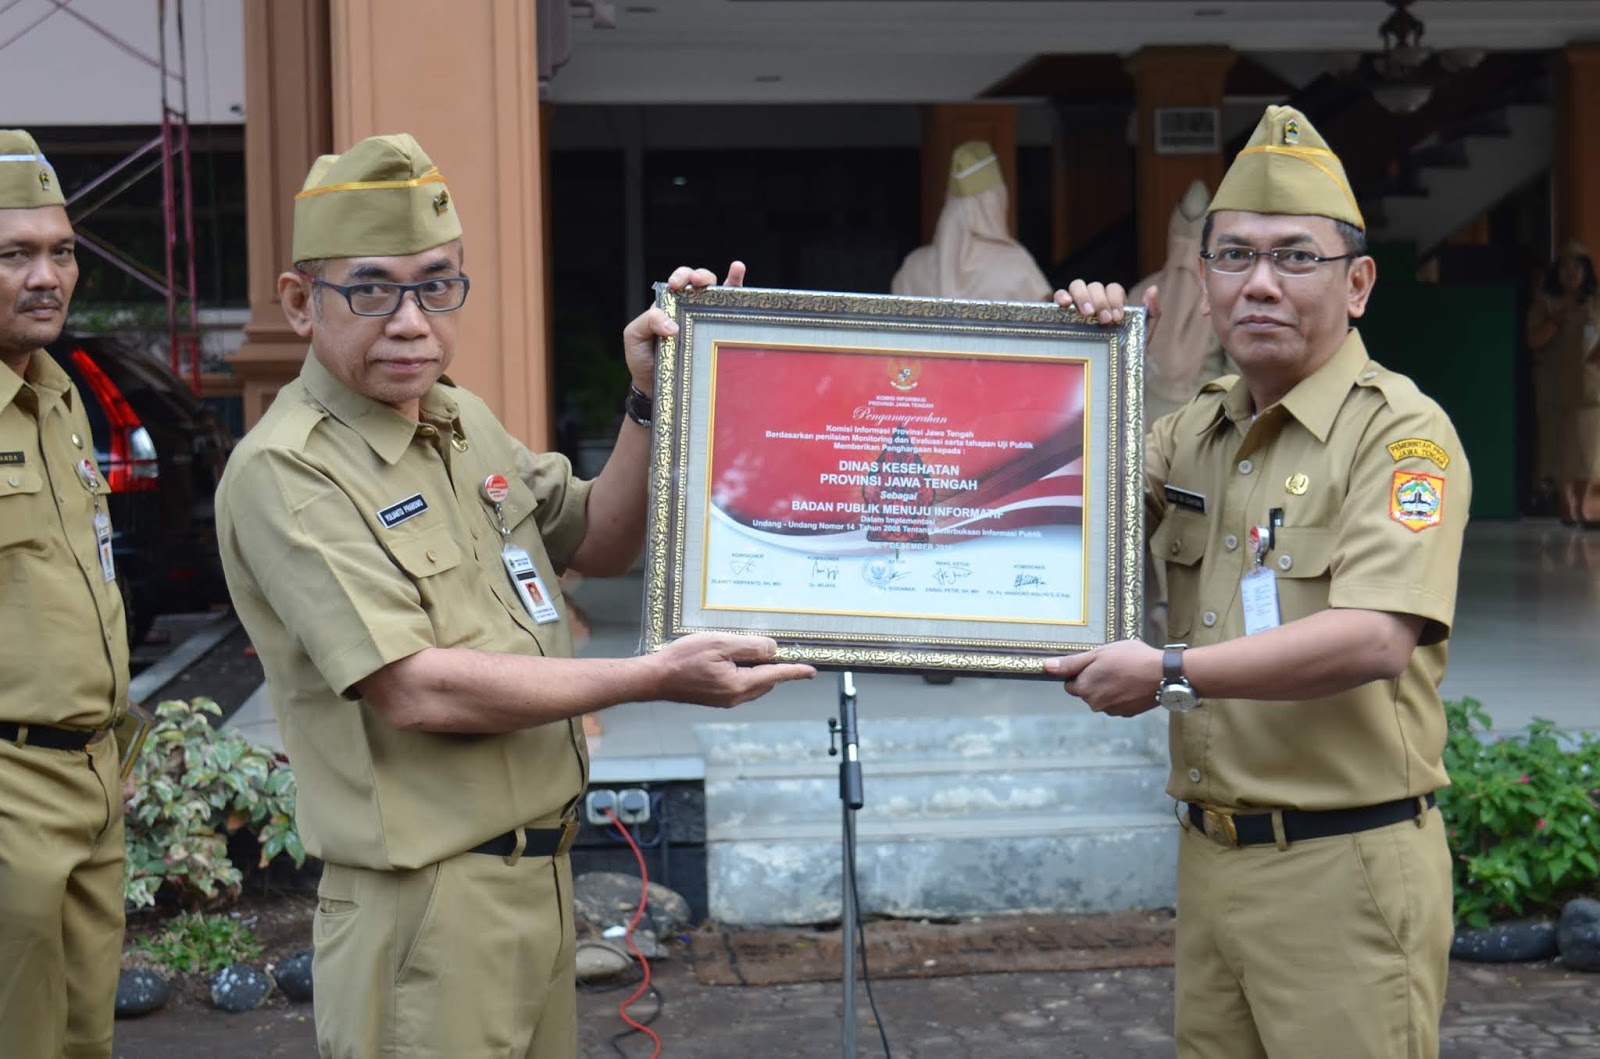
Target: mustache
[40,301]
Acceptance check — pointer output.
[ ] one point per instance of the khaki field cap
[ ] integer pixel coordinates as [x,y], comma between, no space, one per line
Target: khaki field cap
[1287,168]
[974,168]
[383,197]
[26,179]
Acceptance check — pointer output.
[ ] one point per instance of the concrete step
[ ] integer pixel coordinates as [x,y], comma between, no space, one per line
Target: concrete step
[761,748]
[917,790]
[980,864]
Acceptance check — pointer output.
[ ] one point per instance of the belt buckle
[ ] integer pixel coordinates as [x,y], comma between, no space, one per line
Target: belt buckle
[569,832]
[1219,827]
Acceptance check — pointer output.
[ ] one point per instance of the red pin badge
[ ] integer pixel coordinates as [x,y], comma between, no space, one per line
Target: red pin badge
[496,488]
[89,473]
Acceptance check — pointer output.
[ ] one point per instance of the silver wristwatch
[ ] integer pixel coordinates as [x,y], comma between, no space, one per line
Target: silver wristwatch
[1175,693]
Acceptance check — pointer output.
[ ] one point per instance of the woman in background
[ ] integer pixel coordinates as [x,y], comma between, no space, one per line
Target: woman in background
[1564,335]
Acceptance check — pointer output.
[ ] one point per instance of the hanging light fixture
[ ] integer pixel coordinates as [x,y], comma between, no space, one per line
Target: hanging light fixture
[1400,86]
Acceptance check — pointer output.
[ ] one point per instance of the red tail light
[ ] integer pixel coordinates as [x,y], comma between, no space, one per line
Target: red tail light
[133,456]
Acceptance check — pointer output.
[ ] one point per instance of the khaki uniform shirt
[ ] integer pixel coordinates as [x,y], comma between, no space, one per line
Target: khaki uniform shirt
[63,641]
[352,537]
[1374,489]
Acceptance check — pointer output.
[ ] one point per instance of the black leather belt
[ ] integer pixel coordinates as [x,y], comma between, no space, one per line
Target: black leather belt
[541,842]
[46,736]
[1229,828]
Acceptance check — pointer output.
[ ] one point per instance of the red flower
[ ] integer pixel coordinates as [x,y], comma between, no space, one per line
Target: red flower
[1524,778]
[1539,826]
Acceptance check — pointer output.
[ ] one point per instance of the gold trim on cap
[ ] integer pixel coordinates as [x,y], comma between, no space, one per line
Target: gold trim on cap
[432,176]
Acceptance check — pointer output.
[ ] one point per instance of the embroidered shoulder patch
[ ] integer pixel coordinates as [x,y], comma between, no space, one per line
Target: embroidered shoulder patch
[1420,448]
[1416,501]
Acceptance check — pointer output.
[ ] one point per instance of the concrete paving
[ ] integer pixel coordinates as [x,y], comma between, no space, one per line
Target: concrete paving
[1536,1011]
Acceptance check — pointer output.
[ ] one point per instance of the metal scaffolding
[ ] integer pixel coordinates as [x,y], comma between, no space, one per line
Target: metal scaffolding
[170,148]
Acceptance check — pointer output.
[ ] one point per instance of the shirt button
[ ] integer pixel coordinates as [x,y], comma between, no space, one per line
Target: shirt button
[1285,561]
[13,480]
[1209,618]
[1245,466]
[76,440]
[1230,542]
[1177,546]
[433,556]
[1368,376]
[1194,775]
[426,431]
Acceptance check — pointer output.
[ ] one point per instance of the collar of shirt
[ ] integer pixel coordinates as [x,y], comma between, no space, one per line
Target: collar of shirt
[1314,401]
[388,432]
[44,375]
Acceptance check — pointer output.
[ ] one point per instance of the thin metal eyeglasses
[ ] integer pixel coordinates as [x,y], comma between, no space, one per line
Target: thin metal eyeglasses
[443,295]
[1287,260]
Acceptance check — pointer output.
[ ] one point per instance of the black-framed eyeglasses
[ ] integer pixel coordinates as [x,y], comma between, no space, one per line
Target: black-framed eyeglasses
[1287,260]
[381,298]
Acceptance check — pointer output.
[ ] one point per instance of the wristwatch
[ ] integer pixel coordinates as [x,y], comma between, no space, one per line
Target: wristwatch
[1175,692]
[639,406]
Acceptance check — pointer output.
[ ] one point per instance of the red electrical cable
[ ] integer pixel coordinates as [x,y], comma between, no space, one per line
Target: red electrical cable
[644,900]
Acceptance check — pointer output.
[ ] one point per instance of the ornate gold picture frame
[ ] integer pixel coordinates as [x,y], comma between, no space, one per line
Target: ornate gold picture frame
[888,483]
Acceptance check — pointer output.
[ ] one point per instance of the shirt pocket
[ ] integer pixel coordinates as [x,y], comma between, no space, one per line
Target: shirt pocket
[434,562]
[1180,542]
[19,509]
[1301,557]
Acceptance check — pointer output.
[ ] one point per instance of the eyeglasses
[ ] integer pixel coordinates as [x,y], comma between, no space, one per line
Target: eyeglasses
[1287,260]
[444,295]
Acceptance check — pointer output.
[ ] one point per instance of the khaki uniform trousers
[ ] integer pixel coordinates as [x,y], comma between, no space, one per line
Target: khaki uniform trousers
[1335,947]
[61,899]
[471,957]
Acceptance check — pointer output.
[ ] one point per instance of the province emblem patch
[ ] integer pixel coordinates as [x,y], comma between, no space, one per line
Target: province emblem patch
[1416,501]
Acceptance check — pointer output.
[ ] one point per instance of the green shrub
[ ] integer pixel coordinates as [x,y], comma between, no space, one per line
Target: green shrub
[1523,816]
[196,942]
[193,787]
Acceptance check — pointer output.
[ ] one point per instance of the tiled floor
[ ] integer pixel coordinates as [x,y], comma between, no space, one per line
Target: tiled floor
[1526,644]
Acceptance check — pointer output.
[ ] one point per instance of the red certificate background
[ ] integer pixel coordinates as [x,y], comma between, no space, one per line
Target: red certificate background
[760,389]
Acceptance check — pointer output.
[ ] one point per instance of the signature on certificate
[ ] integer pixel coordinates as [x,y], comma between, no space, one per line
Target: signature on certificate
[881,573]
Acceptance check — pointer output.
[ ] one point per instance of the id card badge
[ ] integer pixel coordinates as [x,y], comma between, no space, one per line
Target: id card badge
[529,585]
[102,539]
[1258,590]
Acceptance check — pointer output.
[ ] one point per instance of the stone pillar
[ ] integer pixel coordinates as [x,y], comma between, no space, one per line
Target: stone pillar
[464,79]
[1172,77]
[287,125]
[946,126]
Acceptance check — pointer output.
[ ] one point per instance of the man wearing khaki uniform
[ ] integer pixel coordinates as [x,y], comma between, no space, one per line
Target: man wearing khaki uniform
[63,652]
[394,555]
[1310,514]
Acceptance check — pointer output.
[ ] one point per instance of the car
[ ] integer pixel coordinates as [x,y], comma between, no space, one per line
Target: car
[161,450]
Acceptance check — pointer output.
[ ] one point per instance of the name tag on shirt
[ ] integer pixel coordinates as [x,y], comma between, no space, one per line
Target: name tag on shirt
[102,540]
[1258,590]
[531,590]
[1187,498]
[409,508]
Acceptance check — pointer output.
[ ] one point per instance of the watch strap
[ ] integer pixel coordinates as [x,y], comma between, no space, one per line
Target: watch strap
[1172,662]
[639,405]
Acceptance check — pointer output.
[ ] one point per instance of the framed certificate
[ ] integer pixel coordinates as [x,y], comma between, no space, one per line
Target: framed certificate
[886,483]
